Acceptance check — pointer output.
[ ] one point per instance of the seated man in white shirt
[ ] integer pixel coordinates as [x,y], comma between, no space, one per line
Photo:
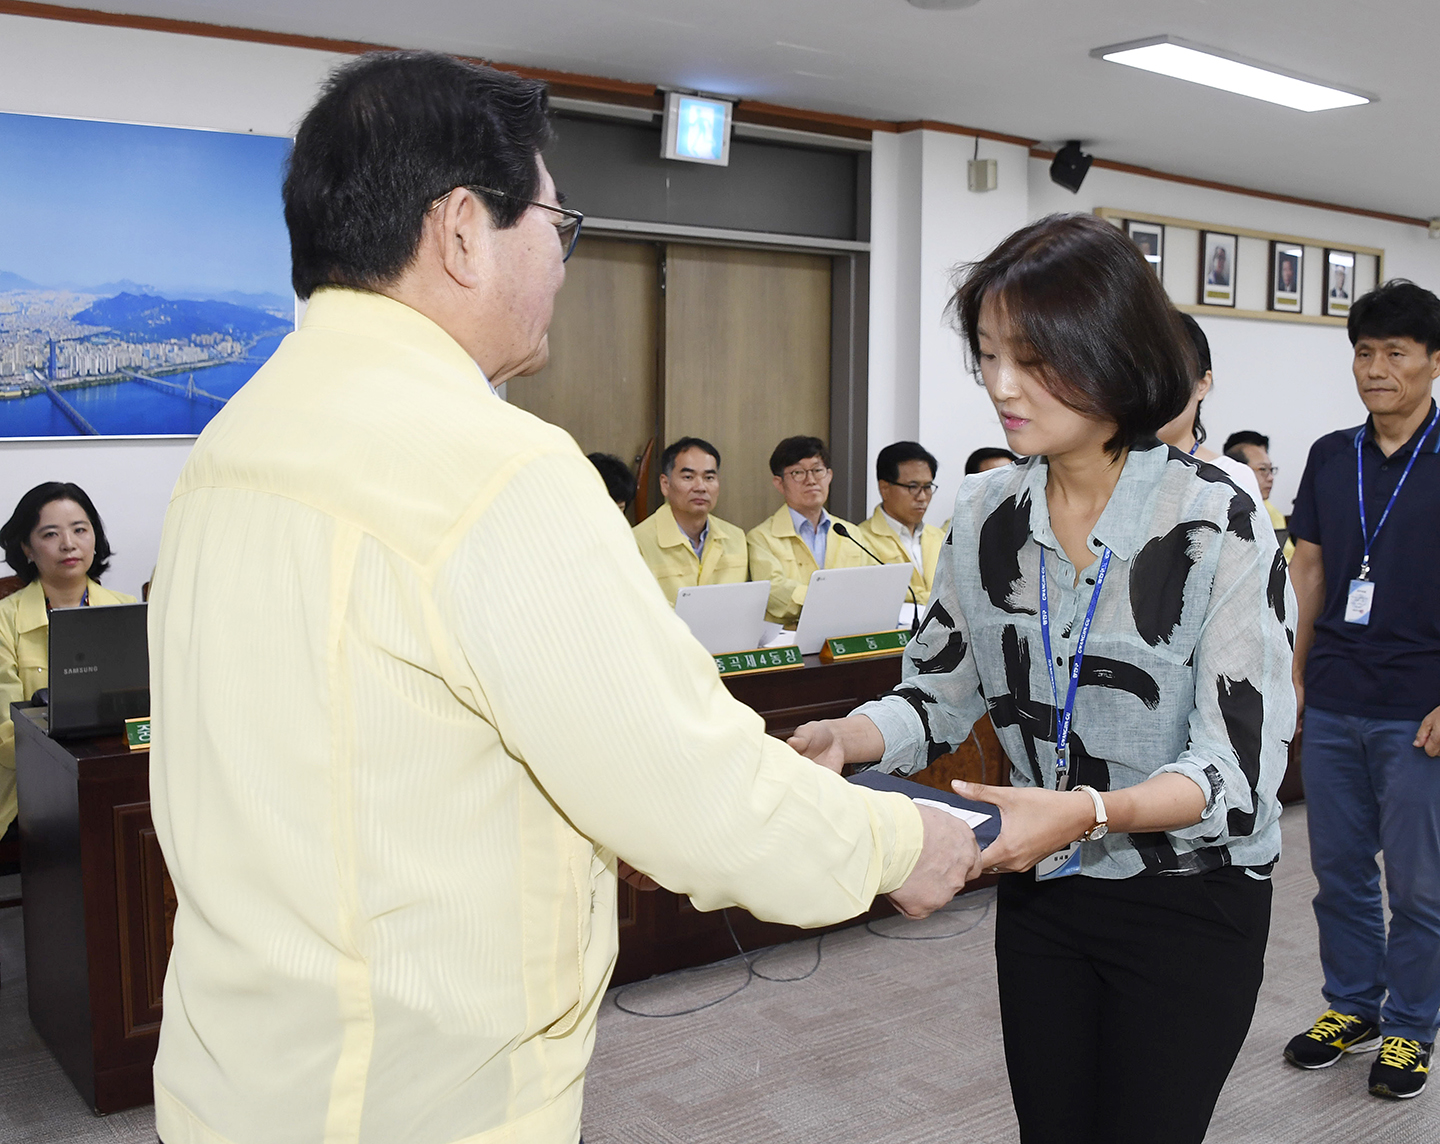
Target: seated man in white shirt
[897,532]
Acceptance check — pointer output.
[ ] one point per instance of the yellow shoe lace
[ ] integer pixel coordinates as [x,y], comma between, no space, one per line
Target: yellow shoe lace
[1331,1026]
[1401,1053]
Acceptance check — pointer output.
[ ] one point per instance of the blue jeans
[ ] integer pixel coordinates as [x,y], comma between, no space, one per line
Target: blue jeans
[1368,789]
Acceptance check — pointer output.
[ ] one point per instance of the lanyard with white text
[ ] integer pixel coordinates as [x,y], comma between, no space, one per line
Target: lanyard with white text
[1064,716]
[1365,534]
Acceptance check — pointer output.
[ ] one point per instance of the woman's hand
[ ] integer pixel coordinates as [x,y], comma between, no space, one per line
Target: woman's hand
[1034,823]
[834,742]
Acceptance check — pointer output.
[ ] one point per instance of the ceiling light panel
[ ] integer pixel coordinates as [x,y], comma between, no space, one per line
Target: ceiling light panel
[1167,55]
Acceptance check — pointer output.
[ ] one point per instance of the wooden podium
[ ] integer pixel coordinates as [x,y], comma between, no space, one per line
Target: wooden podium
[98,908]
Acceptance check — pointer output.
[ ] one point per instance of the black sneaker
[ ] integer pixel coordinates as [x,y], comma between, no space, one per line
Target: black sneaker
[1330,1038]
[1401,1068]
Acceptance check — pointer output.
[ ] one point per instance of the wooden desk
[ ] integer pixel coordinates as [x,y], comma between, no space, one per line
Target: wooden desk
[98,908]
[661,931]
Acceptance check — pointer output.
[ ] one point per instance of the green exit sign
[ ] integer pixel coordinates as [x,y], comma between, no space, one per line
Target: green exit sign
[761,659]
[137,734]
[863,647]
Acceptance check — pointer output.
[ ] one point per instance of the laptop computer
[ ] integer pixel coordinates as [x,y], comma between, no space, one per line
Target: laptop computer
[725,617]
[99,669]
[851,602]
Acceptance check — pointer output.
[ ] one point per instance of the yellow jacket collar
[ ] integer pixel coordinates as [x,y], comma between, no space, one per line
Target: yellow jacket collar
[667,529]
[30,613]
[361,313]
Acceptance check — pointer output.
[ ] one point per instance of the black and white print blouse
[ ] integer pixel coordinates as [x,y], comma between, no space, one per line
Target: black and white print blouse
[1187,667]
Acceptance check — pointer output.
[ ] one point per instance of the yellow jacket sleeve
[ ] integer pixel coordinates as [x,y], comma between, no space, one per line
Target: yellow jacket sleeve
[623,720]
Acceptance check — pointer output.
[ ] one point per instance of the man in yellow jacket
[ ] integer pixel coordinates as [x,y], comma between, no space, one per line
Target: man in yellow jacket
[799,539]
[683,542]
[401,735]
[896,532]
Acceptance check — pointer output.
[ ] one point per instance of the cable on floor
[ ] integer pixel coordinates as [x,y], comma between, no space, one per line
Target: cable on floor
[751,959]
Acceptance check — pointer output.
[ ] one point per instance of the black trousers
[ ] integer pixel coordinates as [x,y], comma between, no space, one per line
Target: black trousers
[1125,1003]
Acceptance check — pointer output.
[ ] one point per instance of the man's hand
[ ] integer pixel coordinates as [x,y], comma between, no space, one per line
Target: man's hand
[949,857]
[1429,735]
[1033,823]
[820,743]
[1299,680]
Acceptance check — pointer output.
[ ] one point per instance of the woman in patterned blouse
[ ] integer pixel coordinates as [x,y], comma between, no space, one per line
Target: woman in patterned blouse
[1132,913]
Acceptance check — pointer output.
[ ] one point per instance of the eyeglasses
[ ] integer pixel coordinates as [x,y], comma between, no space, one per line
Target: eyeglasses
[916,488]
[801,476]
[568,227]
[1266,470]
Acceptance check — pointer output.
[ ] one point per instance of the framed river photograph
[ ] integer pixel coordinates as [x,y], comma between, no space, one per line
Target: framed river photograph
[144,274]
[1217,268]
[1339,282]
[1287,260]
[1150,238]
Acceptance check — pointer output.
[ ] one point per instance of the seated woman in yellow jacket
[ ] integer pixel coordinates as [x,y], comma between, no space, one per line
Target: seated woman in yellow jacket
[55,542]
[789,547]
[897,532]
[683,542]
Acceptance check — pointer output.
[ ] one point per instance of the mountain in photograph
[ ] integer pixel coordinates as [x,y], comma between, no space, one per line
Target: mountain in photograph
[9,281]
[150,318]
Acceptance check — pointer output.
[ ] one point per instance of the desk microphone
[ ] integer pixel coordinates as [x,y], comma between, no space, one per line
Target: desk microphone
[840,530]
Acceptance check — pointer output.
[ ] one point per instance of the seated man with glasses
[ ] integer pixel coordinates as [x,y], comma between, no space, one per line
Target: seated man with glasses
[1253,449]
[684,544]
[897,532]
[798,539]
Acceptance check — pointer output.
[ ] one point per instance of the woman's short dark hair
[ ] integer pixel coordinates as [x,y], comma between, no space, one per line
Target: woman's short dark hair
[1091,316]
[987,453]
[793,450]
[390,134]
[1398,309]
[1201,345]
[619,480]
[890,458]
[16,531]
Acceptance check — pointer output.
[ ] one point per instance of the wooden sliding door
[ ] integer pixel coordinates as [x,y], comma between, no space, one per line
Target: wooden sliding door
[747,361]
[664,341]
[601,383]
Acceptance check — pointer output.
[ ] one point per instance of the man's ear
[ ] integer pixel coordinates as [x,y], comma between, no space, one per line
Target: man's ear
[462,228]
[779,485]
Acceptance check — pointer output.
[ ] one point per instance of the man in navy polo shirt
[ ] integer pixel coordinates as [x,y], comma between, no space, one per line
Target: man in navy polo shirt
[1366,572]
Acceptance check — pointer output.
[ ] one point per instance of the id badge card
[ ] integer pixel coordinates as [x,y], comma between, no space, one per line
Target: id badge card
[1358,601]
[1061,864]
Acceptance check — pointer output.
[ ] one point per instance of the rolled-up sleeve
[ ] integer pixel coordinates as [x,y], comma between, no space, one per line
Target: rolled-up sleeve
[1244,712]
[571,651]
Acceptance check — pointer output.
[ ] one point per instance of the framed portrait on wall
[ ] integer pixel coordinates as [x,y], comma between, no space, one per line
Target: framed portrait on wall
[1287,260]
[1339,288]
[1217,268]
[1150,238]
[144,274]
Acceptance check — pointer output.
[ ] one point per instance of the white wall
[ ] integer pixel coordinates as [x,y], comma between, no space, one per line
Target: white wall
[920,388]
[52,68]
[1287,380]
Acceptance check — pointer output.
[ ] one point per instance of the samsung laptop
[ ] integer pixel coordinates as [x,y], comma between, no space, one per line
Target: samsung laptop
[725,617]
[851,602]
[99,670]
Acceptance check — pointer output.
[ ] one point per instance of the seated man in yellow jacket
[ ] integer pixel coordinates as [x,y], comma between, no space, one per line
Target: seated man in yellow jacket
[897,532]
[799,538]
[682,543]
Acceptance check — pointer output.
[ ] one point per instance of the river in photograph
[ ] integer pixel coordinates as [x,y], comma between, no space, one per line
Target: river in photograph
[128,408]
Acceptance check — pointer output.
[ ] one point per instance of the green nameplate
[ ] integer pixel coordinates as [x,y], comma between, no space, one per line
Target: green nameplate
[137,733]
[865,646]
[761,659]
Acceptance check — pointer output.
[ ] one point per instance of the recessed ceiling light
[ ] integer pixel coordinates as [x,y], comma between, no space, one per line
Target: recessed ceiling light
[937,5]
[1167,55]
